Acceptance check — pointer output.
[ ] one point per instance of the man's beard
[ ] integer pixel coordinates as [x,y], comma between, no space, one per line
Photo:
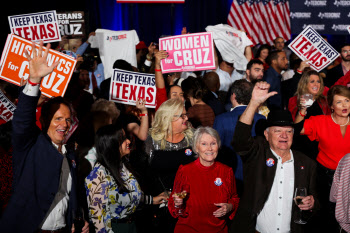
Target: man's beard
[346,58]
[254,80]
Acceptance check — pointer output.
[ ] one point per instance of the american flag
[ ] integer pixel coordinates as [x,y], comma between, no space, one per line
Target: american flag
[262,20]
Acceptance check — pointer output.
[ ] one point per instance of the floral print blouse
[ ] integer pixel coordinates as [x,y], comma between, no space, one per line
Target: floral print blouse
[104,200]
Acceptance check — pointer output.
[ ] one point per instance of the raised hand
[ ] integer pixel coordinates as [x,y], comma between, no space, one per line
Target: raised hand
[303,65]
[261,92]
[151,49]
[162,54]
[184,31]
[140,104]
[38,67]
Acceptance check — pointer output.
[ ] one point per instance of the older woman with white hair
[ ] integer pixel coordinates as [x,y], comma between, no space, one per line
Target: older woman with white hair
[204,194]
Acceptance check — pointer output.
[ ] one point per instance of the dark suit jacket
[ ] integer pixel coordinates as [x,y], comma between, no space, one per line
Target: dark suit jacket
[37,167]
[274,79]
[259,178]
[214,103]
[333,75]
[225,124]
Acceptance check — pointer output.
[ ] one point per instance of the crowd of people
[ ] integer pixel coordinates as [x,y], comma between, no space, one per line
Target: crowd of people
[224,150]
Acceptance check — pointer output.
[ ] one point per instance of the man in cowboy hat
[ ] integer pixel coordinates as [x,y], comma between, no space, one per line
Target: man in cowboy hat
[272,171]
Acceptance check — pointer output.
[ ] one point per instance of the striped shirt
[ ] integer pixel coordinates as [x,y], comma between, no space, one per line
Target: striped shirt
[340,193]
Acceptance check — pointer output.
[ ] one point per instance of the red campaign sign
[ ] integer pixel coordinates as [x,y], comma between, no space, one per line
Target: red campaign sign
[150,1]
[14,66]
[36,26]
[309,45]
[127,87]
[7,108]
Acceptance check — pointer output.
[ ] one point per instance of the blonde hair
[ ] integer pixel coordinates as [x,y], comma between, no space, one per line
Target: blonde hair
[304,81]
[161,126]
[106,106]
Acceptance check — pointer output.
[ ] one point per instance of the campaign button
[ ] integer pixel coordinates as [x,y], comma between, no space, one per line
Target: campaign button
[270,162]
[188,152]
[218,182]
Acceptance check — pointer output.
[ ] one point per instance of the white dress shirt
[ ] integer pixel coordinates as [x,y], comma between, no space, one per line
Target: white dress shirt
[226,79]
[277,212]
[56,219]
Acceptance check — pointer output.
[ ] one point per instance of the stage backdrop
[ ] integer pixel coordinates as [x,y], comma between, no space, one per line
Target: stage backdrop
[325,16]
[153,20]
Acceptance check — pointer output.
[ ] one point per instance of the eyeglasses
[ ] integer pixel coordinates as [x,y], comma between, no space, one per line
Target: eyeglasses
[183,116]
[345,51]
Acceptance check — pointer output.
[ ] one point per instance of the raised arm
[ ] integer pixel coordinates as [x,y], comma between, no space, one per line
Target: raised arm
[248,53]
[24,117]
[159,55]
[301,114]
[243,142]
[38,67]
[141,130]
[260,95]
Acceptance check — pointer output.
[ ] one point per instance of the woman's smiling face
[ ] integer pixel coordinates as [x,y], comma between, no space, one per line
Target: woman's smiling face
[314,85]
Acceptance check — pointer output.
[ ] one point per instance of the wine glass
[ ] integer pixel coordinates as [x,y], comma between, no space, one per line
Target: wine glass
[182,192]
[78,219]
[300,193]
[308,99]
[167,192]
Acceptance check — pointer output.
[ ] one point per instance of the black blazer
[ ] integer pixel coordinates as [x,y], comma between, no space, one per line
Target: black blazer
[214,103]
[37,168]
[258,179]
[333,75]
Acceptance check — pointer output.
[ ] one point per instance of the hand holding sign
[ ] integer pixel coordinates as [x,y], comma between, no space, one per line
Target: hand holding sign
[188,52]
[19,52]
[303,65]
[309,45]
[38,67]
[151,49]
[161,54]
[140,104]
[131,87]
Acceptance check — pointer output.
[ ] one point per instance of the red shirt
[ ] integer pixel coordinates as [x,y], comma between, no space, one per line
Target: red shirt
[332,145]
[161,97]
[208,185]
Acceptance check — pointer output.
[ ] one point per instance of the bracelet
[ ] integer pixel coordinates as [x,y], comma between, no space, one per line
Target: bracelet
[299,71]
[148,200]
[302,114]
[33,84]
[143,114]
[158,70]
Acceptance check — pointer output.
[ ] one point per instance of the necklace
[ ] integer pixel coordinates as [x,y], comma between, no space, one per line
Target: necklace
[339,124]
